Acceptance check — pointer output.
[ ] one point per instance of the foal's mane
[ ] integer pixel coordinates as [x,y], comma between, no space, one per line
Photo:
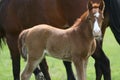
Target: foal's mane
[84,15]
[79,20]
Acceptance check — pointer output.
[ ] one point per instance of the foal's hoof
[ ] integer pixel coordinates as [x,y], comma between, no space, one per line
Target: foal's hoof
[40,76]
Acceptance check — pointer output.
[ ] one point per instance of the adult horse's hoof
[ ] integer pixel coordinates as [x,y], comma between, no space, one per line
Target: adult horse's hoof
[40,76]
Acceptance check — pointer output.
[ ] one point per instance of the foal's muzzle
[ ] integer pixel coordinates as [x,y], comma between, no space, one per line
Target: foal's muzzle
[97,34]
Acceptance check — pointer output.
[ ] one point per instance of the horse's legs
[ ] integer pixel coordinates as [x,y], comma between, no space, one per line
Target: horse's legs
[102,64]
[38,74]
[44,69]
[15,56]
[36,71]
[81,65]
[32,62]
[69,71]
[29,69]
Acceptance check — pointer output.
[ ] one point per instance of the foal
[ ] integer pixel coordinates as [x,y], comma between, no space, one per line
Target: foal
[75,44]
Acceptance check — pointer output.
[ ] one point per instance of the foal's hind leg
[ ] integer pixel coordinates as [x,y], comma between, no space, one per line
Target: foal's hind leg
[68,66]
[32,63]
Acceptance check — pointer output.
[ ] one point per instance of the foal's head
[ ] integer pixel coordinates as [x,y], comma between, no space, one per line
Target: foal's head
[95,17]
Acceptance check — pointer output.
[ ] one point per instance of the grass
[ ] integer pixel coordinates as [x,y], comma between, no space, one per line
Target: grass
[56,68]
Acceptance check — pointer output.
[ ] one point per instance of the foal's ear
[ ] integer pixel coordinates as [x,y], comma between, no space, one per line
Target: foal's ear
[89,5]
[102,5]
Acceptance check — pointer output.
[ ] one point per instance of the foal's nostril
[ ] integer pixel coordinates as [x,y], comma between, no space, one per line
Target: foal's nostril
[97,33]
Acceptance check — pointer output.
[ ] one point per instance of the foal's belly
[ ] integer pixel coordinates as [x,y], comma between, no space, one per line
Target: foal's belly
[59,54]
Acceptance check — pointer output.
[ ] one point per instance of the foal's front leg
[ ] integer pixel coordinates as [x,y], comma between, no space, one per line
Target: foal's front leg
[81,65]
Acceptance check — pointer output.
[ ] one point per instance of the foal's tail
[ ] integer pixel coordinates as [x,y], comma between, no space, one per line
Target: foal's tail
[22,45]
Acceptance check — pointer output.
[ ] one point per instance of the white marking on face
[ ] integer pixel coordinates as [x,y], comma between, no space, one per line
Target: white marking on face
[97,14]
[96,29]
[96,26]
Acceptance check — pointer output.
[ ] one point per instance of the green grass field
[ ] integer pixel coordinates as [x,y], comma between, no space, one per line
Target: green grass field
[56,68]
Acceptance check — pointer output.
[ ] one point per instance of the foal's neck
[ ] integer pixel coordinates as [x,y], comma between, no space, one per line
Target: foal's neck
[83,26]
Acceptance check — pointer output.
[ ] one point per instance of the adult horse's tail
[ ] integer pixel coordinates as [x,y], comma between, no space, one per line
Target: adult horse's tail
[22,45]
[2,31]
[2,35]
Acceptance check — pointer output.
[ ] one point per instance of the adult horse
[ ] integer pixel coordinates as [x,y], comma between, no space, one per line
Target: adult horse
[114,14]
[16,15]
[34,43]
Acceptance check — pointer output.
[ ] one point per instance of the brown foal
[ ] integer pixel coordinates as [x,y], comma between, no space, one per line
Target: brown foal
[74,44]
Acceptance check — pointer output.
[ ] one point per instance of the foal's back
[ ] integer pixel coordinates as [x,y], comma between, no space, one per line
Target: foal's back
[54,40]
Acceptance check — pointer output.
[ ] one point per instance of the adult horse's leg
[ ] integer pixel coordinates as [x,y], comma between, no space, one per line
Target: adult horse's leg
[69,71]
[38,74]
[15,56]
[102,64]
[44,69]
